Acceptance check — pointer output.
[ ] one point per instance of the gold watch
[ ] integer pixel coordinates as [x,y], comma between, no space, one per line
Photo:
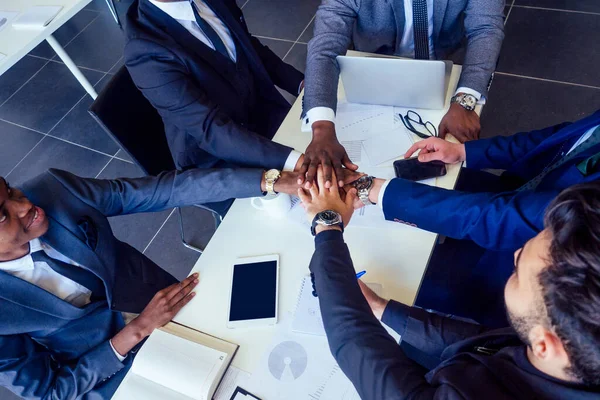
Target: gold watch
[272,176]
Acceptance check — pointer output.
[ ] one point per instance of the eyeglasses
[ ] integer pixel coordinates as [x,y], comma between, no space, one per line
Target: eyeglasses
[414,123]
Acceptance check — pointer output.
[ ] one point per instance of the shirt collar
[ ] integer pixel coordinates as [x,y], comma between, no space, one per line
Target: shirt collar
[181,10]
[24,263]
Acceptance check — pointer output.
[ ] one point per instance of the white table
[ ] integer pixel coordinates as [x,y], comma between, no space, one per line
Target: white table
[395,257]
[17,43]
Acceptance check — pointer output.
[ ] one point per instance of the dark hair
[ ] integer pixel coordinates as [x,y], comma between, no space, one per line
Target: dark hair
[571,283]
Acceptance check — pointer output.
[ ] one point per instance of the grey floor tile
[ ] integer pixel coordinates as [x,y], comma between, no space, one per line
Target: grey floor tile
[121,154]
[554,45]
[46,98]
[521,105]
[241,3]
[99,46]
[79,126]
[16,143]
[117,66]
[278,47]
[54,153]
[100,5]
[308,33]
[574,5]
[6,394]
[66,32]
[297,56]
[135,229]
[167,251]
[286,19]
[17,75]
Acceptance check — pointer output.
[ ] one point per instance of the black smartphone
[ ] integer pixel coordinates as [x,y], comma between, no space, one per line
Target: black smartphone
[414,170]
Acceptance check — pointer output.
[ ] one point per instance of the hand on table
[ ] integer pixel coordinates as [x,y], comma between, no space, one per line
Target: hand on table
[320,198]
[438,149]
[460,123]
[324,150]
[376,303]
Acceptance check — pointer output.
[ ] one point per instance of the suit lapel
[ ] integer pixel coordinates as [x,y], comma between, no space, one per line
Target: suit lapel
[439,11]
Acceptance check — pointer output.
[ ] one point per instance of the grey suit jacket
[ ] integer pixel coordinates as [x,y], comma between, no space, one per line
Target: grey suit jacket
[376,26]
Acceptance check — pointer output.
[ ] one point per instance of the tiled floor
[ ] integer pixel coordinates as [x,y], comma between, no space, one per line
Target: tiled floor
[548,72]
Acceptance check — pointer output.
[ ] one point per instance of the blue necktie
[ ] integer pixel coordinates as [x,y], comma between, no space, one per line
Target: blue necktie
[78,274]
[212,35]
[592,141]
[421,30]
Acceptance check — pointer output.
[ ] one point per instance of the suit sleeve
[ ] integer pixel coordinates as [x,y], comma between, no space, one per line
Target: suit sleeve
[30,371]
[484,28]
[495,221]
[429,332]
[367,354]
[501,152]
[165,191]
[283,75]
[166,83]
[334,22]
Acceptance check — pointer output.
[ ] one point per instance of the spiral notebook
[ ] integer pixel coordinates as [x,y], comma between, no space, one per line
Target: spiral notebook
[307,318]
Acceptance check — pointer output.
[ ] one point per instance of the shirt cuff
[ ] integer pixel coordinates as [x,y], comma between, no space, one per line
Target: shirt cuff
[317,114]
[292,160]
[478,96]
[120,357]
[382,193]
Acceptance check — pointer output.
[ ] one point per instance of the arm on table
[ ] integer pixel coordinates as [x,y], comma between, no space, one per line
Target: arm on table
[166,83]
[366,353]
[496,221]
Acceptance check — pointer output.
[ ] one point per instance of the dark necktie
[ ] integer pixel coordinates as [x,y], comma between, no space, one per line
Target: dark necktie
[212,35]
[593,140]
[78,274]
[421,30]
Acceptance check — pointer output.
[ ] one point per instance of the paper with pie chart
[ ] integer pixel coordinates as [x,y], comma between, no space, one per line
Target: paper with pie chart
[299,367]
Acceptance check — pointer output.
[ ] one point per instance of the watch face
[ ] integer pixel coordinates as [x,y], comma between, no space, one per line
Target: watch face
[328,216]
[272,174]
[364,182]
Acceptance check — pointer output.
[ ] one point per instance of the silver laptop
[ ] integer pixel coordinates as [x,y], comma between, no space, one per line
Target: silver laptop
[394,82]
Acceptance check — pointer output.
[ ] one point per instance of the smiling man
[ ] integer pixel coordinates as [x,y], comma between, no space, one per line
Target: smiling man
[65,278]
[551,351]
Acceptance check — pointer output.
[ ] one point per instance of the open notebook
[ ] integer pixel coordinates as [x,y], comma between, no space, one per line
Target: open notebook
[177,363]
[307,318]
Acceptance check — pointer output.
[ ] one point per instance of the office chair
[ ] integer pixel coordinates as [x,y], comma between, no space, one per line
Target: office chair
[131,121]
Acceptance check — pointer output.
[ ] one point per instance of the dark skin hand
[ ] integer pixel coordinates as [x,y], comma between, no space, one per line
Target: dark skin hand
[461,123]
[324,150]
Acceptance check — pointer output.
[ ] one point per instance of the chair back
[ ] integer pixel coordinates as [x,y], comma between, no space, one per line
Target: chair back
[129,118]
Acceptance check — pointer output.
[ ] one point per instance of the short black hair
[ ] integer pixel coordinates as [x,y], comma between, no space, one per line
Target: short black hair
[571,282]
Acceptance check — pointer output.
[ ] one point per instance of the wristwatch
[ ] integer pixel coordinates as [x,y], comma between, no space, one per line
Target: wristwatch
[272,176]
[467,101]
[327,218]
[363,186]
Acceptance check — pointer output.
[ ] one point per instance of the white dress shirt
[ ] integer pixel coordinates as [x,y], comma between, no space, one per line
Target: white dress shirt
[407,49]
[582,139]
[182,12]
[41,275]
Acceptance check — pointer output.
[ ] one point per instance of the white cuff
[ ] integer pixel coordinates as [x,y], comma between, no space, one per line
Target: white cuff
[120,357]
[292,160]
[317,114]
[381,193]
[480,99]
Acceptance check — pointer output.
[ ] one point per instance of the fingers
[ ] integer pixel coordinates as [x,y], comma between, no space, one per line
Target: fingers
[321,178]
[311,174]
[177,307]
[349,164]
[304,197]
[303,169]
[173,290]
[431,156]
[339,174]
[327,171]
[183,293]
[335,188]
[417,146]
[350,198]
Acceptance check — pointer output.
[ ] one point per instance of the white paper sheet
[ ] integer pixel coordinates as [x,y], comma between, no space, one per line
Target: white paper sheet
[233,378]
[388,145]
[361,121]
[354,149]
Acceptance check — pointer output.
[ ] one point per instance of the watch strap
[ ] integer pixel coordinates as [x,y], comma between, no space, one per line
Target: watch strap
[313,226]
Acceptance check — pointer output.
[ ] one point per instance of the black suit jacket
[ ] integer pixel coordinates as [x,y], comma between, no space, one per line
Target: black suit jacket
[208,111]
[465,360]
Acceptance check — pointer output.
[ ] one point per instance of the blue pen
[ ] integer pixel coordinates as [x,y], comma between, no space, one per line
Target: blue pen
[312,279]
[361,273]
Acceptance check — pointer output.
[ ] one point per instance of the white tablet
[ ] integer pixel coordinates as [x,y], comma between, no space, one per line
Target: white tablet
[253,298]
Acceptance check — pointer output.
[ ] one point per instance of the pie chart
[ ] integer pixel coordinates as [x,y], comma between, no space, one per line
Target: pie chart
[287,361]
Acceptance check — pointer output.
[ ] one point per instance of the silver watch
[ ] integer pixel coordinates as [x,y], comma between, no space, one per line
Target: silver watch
[272,176]
[363,187]
[467,101]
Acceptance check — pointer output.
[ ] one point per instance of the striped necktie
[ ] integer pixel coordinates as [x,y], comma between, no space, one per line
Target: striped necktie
[593,140]
[421,29]
[208,30]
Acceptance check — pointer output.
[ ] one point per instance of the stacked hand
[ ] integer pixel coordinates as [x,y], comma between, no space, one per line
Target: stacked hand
[290,182]
[320,198]
[325,150]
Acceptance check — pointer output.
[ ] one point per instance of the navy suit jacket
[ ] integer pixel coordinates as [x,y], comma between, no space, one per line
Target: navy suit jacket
[469,361]
[50,349]
[503,220]
[207,115]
